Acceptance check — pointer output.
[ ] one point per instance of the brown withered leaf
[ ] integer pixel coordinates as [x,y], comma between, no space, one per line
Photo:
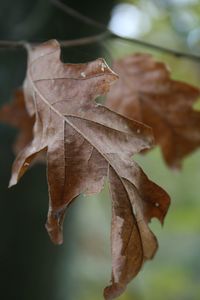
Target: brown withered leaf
[84,140]
[15,114]
[145,92]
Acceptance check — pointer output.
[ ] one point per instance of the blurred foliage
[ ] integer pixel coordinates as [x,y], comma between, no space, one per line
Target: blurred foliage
[31,267]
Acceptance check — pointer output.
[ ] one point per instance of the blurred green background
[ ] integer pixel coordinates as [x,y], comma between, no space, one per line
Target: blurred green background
[30,266]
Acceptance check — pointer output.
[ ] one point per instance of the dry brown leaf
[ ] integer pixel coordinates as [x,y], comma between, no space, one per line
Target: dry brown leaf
[84,140]
[146,93]
[15,114]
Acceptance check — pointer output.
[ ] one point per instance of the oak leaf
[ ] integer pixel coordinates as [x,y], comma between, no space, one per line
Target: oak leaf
[145,92]
[86,142]
[16,115]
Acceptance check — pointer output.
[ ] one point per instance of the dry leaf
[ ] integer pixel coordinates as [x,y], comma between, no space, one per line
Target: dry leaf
[84,140]
[135,200]
[15,114]
[146,93]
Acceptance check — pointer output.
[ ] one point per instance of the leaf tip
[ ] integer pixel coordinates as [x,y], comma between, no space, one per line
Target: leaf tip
[12,182]
[55,234]
[104,68]
[113,291]
[54,226]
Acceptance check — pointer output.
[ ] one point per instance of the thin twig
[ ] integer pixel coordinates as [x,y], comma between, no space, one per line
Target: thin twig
[12,44]
[75,14]
[97,38]
[68,43]
[72,12]
[175,53]
[85,40]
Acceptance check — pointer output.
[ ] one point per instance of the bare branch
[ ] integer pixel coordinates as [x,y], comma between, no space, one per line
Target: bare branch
[87,20]
[74,13]
[97,38]
[64,43]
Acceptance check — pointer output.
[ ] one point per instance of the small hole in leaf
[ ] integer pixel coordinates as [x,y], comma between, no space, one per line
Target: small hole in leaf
[100,99]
